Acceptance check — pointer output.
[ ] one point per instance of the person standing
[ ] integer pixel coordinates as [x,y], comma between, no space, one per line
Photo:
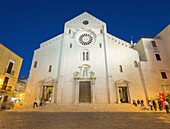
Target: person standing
[166,106]
[150,104]
[142,104]
[138,101]
[154,105]
[160,104]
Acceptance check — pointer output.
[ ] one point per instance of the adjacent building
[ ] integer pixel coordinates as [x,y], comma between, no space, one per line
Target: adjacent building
[19,92]
[9,70]
[86,64]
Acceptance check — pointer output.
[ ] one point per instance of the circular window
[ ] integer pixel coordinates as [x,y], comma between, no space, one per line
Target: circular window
[85,22]
[85,39]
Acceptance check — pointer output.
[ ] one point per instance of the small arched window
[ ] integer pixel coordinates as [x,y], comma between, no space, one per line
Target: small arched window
[87,55]
[135,64]
[35,64]
[121,69]
[101,31]
[100,45]
[69,31]
[50,68]
[83,55]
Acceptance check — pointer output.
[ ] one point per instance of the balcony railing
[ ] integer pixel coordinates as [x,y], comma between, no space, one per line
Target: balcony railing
[7,88]
[10,72]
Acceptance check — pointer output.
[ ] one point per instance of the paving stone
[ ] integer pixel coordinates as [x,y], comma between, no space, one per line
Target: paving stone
[100,117]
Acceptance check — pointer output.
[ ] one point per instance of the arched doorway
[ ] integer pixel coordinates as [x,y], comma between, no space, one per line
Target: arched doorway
[122,91]
[47,89]
[47,93]
[84,84]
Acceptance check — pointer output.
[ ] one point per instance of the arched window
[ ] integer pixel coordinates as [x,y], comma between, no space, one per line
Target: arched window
[69,31]
[70,45]
[85,55]
[100,45]
[121,69]
[35,64]
[101,31]
[135,64]
[50,68]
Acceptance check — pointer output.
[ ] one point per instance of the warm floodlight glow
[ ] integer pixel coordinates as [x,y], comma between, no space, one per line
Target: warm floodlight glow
[1,81]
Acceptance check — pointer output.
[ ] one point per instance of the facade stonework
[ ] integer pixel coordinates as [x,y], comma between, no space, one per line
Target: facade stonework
[85,64]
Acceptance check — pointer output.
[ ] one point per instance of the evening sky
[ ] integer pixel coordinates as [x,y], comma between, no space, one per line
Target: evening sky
[25,24]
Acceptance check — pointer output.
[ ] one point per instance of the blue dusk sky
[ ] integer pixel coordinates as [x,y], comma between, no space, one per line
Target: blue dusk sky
[25,24]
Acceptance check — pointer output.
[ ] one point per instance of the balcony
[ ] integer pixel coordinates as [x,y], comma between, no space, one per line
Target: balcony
[7,88]
[11,72]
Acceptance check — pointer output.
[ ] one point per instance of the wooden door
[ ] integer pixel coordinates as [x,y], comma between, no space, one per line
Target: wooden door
[85,92]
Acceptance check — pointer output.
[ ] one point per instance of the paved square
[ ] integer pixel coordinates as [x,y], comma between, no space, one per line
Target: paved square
[84,120]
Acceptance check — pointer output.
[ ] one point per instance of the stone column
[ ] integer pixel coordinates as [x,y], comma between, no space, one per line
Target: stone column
[77,91]
[58,90]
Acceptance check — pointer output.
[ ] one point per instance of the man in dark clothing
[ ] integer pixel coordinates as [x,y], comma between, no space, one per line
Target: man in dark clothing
[154,105]
[35,103]
[138,101]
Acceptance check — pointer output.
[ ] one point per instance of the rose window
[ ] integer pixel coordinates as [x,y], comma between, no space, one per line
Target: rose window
[85,39]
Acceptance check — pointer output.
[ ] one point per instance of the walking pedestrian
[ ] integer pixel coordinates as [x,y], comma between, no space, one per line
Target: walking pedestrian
[35,103]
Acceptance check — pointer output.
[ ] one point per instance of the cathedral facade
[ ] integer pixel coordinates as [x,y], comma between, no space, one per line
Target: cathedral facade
[86,64]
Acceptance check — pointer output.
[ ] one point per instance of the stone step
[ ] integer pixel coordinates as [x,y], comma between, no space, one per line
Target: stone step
[124,107]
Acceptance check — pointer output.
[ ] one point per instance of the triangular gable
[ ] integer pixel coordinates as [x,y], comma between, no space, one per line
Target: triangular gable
[78,21]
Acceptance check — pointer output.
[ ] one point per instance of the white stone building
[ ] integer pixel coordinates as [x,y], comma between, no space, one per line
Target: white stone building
[85,64]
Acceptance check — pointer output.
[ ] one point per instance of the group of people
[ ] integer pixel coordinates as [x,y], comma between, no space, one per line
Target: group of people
[139,102]
[153,105]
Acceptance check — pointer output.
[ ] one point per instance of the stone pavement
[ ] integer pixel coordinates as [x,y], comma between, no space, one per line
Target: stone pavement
[100,117]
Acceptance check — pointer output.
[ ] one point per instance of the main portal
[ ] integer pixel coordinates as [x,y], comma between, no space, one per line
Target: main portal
[85,92]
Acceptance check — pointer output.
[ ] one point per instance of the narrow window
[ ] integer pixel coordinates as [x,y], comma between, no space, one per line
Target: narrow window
[154,44]
[50,68]
[5,83]
[163,75]
[135,63]
[83,55]
[69,31]
[70,45]
[121,69]
[35,64]
[100,45]
[87,56]
[10,66]
[158,57]
[101,31]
